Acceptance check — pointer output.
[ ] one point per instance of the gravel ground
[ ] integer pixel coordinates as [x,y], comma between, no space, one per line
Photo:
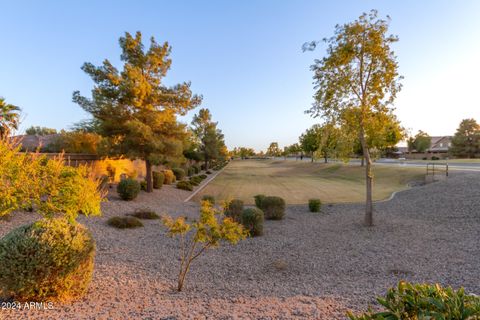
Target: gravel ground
[308,266]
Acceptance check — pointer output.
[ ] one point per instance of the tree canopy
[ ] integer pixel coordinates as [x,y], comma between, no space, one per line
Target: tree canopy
[40,131]
[133,109]
[466,141]
[9,118]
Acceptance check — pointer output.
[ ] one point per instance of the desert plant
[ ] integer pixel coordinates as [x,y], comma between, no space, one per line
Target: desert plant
[179,173]
[203,176]
[143,185]
[50,259]
[190,171]
[169,177]
[209,198]
[195,180]
[314,205]
[252,220]
[124,222]
[208,232]
[146,214]
[104,184]
[184,185]
[424,301]
[158,179]
[273,208]
[234,209]
[128,189]
[258,200]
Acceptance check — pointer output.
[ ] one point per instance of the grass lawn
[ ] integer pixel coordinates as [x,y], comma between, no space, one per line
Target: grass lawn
[299,181]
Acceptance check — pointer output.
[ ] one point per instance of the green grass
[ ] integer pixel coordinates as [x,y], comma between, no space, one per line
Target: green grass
[297,182]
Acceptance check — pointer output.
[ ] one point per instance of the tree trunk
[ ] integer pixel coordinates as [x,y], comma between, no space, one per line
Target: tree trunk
[206,163]
[311,156]
[325,155]
[369,183]
[148,167]
[362,163]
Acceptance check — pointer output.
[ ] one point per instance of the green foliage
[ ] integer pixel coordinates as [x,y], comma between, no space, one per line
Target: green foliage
[145,214]
[421,142]
[273,150]
[179,173]
[424,301]
[208,232]
[169,177]
[203,176]
[185,185]
[75,142]
[143,185]
[51,259]
[40,131]
[258,200]
[158,179]
[252,219]
[273,208]
[9,118]
[195,180]
[128,189]
[197,169]
[234,209]
[124,222]
[466,141]
[29,180]
[314,205]
[133,109]
[208,198]
[191,171]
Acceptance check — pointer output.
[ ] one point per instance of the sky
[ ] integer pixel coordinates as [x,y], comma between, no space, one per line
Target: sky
[243,56]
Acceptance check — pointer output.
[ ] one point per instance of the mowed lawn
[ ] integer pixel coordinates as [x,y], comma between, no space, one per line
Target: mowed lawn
[297,181]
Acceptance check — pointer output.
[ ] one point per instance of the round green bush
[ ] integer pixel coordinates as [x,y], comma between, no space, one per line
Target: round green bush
[195,180]
[190,171]
[184,185]
[209,198]
[128,189]
[314,205]
[203,176]
[143,185]
[51,259]
[258,200]
[252,220]
[273,208]
[208,172]
[145,214]
[234,209]
[179,173]
[124,222]
[158,179]
[169,177]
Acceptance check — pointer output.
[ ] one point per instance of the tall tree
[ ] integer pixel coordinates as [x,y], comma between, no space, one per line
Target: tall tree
[356,84]
[9,118]
[310,141]
[466,141]
[273,150]
[40,131]
[210,139]
[421,141]
[133,109]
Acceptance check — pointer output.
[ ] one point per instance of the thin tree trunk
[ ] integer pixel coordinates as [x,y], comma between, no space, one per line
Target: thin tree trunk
[148,167]
[369,183]
[362,163]
[312,156]
[325,155]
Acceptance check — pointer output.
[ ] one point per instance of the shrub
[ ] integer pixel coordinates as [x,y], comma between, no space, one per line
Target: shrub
[195,180]
[143,185]
[234,209]
[258,200]
[273,208]
[190,171]
[208,172]
[203,167]
[435,158]
[184,185]
[158,179]
[124,222]
[314,205]
[196,167]
[169,177]
[209,198]
[208,232]
[424,301]
[103,184]
[128,189]
[145,214]
[252,220]
[203,176]
[424,158]
[51,259]
[179,173]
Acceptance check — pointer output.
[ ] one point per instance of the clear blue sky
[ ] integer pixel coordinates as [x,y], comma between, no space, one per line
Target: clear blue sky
[244,57]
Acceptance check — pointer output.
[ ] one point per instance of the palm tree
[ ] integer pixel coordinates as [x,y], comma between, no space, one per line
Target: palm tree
[9,118]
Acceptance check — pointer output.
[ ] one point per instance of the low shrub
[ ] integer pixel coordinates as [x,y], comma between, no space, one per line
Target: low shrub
[145,214]
[208,172]
[424,158]
[190,171]
[435,158]
[209,198]
[158,179]
[179,173]
[185,185]
[252,220]
[50,259]
[273,208]
[128,189]
[234,209]
[203,176]
[124,222]
[103,184]
[169,177]
[424,301]
[314,205]
[143,185]
[258,200]
[197,169]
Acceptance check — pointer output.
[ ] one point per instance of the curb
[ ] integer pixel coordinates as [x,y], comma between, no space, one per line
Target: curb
[204,185]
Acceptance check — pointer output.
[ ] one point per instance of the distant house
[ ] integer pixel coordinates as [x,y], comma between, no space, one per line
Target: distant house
[440,144]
